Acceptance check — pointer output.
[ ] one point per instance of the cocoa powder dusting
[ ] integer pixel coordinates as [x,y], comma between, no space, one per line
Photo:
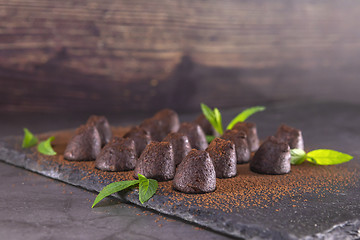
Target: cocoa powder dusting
[246,190]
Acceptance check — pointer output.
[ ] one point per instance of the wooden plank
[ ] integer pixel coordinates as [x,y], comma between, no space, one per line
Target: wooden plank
[132,55]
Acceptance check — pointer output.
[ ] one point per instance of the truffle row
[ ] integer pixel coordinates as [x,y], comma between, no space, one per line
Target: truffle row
[158,160]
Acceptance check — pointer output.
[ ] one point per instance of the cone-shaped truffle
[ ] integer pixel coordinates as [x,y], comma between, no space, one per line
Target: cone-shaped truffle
[103,126]
[141,138]
[206,126]
[291,136]
[181,146]
[118,155]
[195,174]
[240,140]
[222,153]
[251,132]
[162,123]
[85,145]
[156,162]
[169,121]
[153,127]
[272,157]
[195,135]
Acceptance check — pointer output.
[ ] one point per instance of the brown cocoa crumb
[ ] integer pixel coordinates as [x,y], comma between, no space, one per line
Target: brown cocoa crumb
[246,190]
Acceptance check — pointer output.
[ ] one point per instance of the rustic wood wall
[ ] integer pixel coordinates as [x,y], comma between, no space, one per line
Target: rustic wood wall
[141,55]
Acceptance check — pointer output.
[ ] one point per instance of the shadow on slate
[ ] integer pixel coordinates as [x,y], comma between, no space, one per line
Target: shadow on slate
[312,202]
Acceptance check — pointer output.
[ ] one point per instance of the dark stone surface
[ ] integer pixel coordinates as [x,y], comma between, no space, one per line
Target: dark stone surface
[325,215]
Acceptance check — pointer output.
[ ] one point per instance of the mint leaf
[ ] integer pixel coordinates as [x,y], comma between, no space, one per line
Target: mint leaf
[218,121]
[29,139]
[241,117]
[327,157]
[209,114]
[298,156]
[113,188]
[209,138]
[147,188]
[44,147]
[214,117]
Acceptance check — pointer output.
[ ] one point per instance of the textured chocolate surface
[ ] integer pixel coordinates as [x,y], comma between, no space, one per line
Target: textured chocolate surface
[251,132]
[223,155]
[102,125]
[240,140]
[169,121]
[195,135]
[162,123]
[180,145]
[195,174]
[118,155]
[272,157]
[291,136]
[152,126]
[156,161]
[85,145]
[141,138]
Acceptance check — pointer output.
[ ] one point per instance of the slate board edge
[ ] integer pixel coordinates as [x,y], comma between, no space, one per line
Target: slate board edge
[12,156]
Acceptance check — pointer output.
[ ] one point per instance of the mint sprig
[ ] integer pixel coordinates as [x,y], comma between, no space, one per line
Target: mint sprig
[298,156]
[29,139]
[319,157]
[147,189]
[213,116]
[241,117]
[215,119]
[45,148]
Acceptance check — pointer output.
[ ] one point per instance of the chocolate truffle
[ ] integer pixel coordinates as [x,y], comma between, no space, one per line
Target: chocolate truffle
[85,145]
[181,146]
[156,162]
[251,132]
[272,157]
[141,138]
[118,155]
[103,126]
[240,140]
[195,174]
[195,135]
[222,153]
[291,136]
[169,120]
[153,127]
[162,123]
[206,126]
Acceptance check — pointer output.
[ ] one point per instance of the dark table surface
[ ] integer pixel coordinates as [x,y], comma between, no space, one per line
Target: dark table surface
[36,207]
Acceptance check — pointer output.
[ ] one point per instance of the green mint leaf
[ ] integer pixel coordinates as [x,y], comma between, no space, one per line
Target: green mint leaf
[147,188]
[241,117]
[44,147]
[218,119]
[29,139]
[310,159]
[209,138]
[298,156]
[113,188]
[328,157]
[209,115]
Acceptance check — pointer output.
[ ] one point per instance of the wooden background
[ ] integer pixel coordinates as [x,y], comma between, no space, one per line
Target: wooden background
[103,56]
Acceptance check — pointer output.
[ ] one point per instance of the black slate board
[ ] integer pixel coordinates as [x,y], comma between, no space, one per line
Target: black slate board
[331,210]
